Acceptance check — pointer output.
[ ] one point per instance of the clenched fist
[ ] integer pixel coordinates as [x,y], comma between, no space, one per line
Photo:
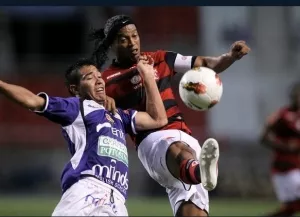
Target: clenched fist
[145,67]
[239,49]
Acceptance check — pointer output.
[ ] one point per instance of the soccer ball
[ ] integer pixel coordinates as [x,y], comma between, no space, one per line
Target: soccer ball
[200,88]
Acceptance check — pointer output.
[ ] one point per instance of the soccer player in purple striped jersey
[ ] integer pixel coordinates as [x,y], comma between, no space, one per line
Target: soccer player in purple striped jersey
[95,181]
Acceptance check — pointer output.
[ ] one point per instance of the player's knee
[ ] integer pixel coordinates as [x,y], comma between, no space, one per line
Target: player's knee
[177,154]
[180,151]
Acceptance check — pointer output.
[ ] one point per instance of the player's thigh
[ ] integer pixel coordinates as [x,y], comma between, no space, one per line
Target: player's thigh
[152,152]
[188,208]
[287,185]
[190,202]
[86,199]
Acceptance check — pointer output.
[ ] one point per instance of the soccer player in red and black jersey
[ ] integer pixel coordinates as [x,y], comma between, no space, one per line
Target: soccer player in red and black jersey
[170,154]
[282,135]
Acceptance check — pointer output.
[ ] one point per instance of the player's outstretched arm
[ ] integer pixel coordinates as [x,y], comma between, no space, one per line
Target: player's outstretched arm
[22,96]
[182,64]
[221,63]
[155,115]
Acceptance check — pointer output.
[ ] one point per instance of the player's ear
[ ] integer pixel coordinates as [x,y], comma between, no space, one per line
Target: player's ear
[74,90]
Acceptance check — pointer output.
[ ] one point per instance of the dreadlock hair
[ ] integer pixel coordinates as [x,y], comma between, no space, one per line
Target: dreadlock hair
[105,37]
[72,74]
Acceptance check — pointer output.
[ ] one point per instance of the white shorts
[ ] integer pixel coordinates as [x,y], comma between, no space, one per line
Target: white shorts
[152,153]
[91,197]
[287,185]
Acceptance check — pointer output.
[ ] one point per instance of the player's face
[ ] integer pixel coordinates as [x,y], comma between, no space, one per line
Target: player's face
[91,86]
[127,44]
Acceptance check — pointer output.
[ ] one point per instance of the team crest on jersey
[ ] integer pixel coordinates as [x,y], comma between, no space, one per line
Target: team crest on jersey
[108,117]
[136,79]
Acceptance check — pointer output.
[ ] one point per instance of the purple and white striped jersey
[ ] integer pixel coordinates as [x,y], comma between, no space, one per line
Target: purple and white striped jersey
[96,140]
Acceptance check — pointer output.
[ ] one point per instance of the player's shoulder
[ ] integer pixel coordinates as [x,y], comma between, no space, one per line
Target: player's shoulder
[69,99]
[125,113]
[119,115]
[158,55]
[73,99]
[110,69]
[111,72]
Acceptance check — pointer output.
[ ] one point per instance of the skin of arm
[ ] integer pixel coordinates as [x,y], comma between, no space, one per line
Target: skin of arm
[221,63]
[22,96]
[155,115]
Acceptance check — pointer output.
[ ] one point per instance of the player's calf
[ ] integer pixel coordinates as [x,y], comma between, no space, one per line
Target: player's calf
[184,165]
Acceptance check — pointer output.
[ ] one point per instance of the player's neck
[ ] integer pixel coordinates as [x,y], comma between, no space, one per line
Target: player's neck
[123,63]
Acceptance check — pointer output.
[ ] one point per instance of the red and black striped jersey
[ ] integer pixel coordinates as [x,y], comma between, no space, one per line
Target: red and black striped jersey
[126,87]
[285,124]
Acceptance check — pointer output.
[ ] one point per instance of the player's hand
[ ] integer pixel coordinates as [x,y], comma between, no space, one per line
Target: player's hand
[110,105]
[239,49]
[145,66]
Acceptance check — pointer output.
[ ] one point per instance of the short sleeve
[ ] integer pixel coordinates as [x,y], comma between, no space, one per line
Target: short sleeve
[60,110]
[128,119]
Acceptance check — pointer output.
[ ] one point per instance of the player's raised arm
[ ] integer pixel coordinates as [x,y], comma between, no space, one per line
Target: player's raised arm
[155,115]
[181,64]
[22,96]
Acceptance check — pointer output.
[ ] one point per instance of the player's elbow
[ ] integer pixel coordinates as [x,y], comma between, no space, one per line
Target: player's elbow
[33,104]
[163,121]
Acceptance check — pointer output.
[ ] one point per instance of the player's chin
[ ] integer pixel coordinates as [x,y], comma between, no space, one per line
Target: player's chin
[135,57]
[100,98]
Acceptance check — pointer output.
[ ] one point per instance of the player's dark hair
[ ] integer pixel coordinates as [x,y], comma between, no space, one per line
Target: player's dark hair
[72,74]
[105,37]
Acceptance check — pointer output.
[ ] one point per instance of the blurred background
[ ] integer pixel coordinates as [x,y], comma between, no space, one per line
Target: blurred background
[38,43]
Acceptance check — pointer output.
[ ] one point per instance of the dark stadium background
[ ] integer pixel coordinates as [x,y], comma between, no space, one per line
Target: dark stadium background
[38,43]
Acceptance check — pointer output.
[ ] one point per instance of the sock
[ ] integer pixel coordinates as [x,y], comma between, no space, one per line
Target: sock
[190,171]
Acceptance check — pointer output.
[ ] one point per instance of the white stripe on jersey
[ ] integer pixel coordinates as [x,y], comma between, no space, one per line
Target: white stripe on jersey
[132,122]
[77,134]
[90,106]
[77,131]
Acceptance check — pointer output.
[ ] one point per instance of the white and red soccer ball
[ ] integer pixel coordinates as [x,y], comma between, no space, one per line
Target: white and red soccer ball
[200,88]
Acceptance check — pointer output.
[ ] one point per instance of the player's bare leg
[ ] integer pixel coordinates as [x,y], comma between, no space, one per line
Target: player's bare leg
[184,165]
[187,208]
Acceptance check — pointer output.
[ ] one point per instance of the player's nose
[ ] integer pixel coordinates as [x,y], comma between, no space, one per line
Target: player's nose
[131,42]
[100,81]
